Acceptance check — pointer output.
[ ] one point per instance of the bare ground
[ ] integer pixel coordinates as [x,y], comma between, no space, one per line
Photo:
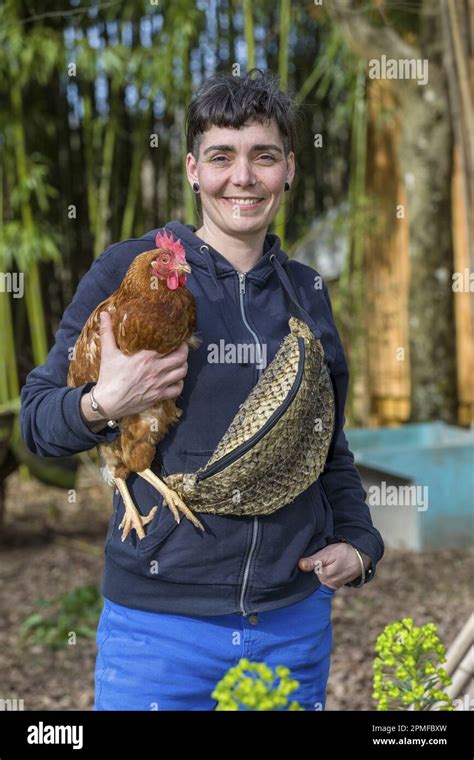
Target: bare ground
[54,545]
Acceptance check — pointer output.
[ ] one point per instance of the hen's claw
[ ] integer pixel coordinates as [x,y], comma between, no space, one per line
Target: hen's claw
[171,498]
[132,517]
[177,505]
[137,521]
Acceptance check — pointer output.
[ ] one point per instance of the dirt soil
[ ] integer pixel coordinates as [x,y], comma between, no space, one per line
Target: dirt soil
[54,545]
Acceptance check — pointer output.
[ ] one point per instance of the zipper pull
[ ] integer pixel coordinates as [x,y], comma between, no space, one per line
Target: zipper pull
[242,281]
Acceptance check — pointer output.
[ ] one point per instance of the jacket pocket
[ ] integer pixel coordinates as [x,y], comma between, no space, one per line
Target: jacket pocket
[318,506]
[185,554]
[148,549]
[164,522]
[286,536]
[145,497]
[329,516]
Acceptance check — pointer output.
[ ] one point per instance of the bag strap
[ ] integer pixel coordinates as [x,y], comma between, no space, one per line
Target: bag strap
[295,308]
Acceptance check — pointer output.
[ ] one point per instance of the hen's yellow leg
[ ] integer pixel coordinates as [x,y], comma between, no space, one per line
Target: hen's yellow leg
[173,501]
[132,517]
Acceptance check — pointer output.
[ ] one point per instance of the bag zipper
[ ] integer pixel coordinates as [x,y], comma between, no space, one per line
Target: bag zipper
[269,424]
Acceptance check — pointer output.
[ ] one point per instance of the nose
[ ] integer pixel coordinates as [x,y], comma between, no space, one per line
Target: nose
[243,174]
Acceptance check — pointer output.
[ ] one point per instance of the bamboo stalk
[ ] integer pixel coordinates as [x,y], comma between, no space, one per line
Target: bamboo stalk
[285,19]
[461,109]
[249,34]
[89,161]
[5,322]
[4,310]
[460,646]
[133,190]
[106,176]
[285,14]
[352,278]
[12,383]
[386,266]
[33,297]
[461,65]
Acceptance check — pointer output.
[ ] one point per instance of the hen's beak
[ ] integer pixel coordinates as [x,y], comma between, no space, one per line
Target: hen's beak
[184,268]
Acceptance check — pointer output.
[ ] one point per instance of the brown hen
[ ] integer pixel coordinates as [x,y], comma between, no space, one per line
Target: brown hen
[153,310]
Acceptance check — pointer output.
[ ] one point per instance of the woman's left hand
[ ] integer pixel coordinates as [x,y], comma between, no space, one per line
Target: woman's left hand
[335,564]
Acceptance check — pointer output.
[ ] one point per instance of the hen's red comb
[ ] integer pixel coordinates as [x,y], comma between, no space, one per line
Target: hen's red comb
[162,240]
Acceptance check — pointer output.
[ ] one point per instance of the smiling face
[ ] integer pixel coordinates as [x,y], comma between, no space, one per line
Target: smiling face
[241,173]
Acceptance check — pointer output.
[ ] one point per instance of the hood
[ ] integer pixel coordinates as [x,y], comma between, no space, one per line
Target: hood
[203,256]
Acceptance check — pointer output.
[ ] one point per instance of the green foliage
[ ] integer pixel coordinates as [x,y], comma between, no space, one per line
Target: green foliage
[76,611]
[406,672]
[24,59]
[34,184]
[23,247]
[252,686]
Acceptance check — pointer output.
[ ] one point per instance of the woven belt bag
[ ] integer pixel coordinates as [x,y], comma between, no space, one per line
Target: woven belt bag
[277,444]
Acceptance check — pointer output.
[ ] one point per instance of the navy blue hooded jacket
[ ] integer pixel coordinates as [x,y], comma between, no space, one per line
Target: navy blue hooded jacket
[239,564]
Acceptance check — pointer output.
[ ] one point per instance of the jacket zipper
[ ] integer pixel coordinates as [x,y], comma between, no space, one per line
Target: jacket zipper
[247,565]
[248,560]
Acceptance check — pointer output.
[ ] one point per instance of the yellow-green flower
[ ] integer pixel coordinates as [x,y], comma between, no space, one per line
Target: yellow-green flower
[412,655]
[254,686]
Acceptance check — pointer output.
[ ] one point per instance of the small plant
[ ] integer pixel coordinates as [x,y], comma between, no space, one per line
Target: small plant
[76,611]
[406,672]
[251,686]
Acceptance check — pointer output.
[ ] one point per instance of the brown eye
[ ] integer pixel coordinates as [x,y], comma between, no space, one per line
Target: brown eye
[164,259]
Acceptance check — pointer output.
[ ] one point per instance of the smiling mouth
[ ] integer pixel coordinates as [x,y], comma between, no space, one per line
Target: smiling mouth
[243,202]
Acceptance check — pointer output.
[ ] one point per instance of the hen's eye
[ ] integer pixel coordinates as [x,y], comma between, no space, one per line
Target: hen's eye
[164,259]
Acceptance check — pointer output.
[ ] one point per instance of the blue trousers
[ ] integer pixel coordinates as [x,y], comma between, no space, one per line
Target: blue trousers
[157,661]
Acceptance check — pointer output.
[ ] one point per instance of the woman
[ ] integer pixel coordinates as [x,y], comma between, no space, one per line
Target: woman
[182,606]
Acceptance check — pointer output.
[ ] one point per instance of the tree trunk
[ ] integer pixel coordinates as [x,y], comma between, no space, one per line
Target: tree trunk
[425,162]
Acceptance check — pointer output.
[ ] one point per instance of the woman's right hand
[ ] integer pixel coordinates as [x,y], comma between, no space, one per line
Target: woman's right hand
[131,384]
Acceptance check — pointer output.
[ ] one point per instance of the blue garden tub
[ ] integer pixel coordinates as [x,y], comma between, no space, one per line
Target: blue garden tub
[419,480]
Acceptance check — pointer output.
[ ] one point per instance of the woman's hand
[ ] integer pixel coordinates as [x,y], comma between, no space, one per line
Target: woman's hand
[131,384]
[335,564]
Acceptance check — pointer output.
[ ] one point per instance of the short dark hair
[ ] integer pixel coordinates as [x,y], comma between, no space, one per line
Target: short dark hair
[224,100]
